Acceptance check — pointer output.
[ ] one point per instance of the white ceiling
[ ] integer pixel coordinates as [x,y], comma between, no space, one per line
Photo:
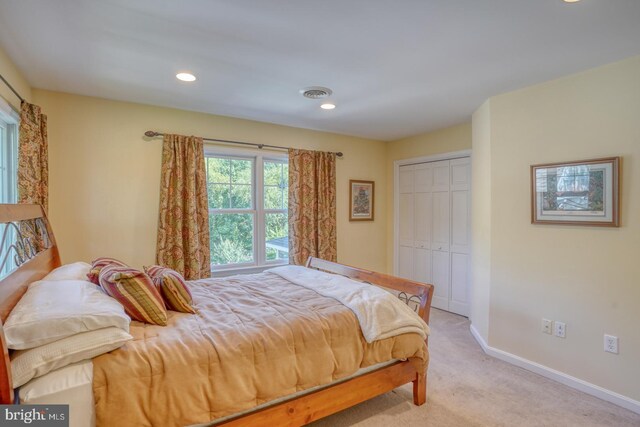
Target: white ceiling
[397,68]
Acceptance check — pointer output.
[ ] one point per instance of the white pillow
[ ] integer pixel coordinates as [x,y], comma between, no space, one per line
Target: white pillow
[35,362]
[74,271]
[52,310]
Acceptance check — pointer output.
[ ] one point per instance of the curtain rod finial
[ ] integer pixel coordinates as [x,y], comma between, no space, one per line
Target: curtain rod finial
[151,133]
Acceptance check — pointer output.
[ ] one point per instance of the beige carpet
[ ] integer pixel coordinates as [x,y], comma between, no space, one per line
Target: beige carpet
[468,388]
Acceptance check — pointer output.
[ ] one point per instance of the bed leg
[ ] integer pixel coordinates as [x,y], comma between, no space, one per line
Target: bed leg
[420,389]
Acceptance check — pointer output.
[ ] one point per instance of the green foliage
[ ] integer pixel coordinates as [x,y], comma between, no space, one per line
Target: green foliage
[229,252]
[231,238]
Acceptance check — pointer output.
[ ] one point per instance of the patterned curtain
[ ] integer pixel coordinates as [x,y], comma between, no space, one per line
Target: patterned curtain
[33,178]
[183,229]
[33,162]
[312,206]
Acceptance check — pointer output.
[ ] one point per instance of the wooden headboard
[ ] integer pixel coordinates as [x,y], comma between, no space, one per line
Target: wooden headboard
[33,253]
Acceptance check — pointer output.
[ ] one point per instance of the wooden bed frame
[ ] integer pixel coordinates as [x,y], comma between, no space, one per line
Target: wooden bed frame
[296,411]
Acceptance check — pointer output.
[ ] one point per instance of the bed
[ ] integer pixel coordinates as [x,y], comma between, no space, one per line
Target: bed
[302,406]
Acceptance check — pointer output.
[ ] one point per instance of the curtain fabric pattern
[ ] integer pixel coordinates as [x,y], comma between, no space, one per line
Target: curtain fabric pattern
[33,160]
[312,206]
[183,228]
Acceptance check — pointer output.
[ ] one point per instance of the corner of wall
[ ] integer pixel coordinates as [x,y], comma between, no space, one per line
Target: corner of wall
[481,220]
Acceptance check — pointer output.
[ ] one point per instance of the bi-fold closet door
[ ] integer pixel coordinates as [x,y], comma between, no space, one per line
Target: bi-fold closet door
[434,229]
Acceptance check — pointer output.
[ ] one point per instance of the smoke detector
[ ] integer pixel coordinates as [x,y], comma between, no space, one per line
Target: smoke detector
[316,92]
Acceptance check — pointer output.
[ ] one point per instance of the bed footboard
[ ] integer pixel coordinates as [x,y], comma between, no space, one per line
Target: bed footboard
[415,294]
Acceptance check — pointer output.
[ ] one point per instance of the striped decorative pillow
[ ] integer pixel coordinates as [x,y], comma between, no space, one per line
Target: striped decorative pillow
[173,288]
[98,264]
[136,292]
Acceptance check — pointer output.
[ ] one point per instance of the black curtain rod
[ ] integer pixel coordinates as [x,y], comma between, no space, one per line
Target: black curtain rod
[151,134]
[12,89]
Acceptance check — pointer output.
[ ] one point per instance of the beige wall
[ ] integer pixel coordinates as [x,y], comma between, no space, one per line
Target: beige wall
[455,138]
[587,277]
[104,177]
[15,78]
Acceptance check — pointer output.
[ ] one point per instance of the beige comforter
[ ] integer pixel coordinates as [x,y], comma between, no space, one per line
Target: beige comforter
[254,338]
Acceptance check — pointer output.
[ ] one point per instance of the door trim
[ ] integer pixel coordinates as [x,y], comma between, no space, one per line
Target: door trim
[396,191]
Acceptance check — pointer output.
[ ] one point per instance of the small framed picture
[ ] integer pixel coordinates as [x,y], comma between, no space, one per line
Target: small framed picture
[361,200]
[576,193]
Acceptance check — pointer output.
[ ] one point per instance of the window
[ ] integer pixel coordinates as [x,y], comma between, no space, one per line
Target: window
[8,157]
[248,219]
[8,179]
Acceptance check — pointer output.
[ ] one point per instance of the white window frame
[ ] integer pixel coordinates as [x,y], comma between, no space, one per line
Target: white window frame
[9,129]
[9,120]
[258,157]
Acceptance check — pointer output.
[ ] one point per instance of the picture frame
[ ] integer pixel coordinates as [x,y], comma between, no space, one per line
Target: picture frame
[585,192]
[361,200]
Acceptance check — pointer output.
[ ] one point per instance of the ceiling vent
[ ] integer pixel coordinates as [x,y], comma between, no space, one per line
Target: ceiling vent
[316,92]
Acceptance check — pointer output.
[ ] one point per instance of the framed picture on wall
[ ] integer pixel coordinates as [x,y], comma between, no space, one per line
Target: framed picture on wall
[583,192]
[361,200]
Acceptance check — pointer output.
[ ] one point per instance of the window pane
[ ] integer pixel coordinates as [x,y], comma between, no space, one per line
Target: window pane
[276,236]
[272,198]
[218,170]
[231,238]
[241,197]
[241,171]
[276,181]
[272,173]
[219,195]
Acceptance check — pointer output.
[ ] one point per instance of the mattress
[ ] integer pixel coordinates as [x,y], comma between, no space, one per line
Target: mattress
[72,385]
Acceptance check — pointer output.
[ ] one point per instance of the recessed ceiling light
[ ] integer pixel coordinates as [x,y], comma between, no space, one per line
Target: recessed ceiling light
[186,77]
[571,1]
[328,106]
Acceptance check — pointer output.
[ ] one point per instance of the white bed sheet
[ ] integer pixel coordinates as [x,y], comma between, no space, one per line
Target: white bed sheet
[71,385]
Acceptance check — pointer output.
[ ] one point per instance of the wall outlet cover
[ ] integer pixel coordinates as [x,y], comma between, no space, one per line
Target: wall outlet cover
[611,344]
[546,326]
[560,329]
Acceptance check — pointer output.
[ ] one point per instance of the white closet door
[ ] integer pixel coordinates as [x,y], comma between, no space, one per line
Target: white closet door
[434,229]
[422,199]
[422,204]
[440,223]
[460,235]
[406,225]
[440,175]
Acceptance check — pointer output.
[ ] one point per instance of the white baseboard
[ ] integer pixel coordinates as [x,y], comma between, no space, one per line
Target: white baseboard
[545,371]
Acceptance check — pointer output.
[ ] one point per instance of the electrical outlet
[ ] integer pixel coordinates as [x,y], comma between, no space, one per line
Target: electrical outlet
[560,329]
[546,326]
[611,344]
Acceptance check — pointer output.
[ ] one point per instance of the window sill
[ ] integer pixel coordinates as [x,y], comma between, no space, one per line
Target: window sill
[245,270]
